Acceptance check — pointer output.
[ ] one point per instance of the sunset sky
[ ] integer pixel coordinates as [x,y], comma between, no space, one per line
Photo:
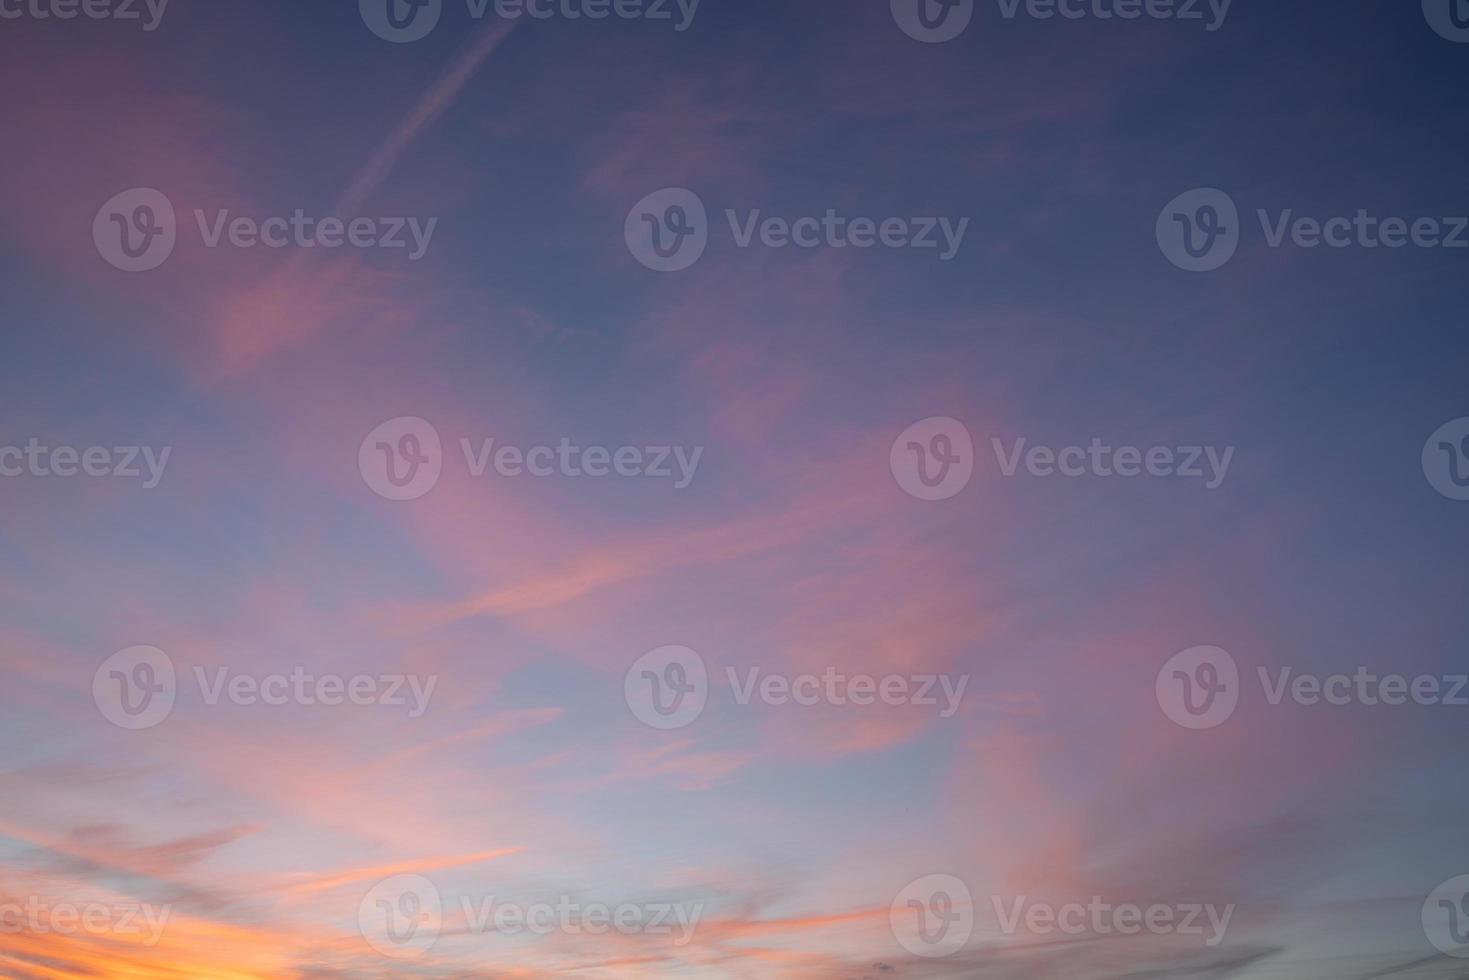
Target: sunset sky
[784,387]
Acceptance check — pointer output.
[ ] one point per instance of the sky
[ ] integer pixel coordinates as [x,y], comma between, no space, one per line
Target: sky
[737,489]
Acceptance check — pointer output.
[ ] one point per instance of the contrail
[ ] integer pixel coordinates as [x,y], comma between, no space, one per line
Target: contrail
[426,110]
